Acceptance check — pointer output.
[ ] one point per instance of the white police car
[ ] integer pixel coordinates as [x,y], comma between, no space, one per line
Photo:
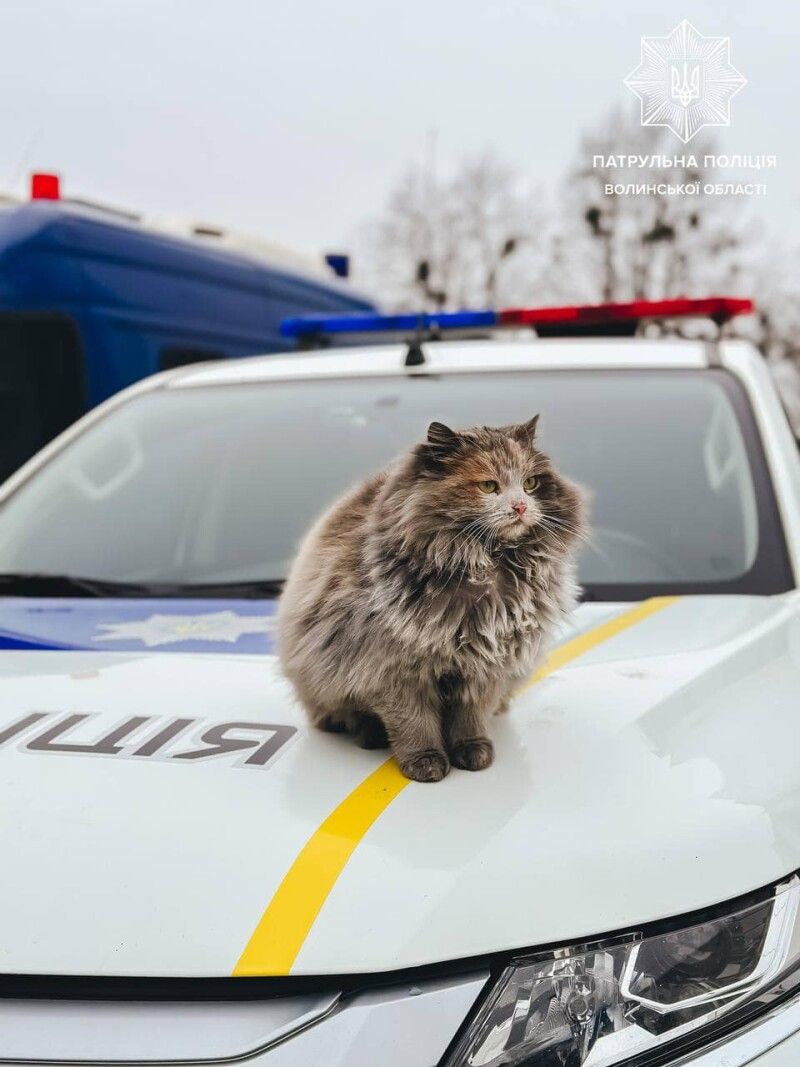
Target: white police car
[191,875]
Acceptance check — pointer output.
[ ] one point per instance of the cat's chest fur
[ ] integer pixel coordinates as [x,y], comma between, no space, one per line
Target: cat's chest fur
[491,620]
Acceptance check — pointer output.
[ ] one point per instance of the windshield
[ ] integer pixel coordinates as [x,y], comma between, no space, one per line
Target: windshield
[216,485]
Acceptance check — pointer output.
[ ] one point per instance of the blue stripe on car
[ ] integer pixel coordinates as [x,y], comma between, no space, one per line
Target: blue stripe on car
[126,625]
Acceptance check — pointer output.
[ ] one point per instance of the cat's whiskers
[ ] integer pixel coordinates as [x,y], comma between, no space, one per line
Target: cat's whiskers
[468,538]
[554,540]
[555,525]
[472,531]
[566,526]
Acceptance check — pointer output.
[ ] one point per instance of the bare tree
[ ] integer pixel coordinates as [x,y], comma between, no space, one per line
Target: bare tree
[651,244]
[480,237]
[472,239]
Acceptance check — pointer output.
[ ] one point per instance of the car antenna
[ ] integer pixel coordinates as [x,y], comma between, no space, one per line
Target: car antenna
[415,357]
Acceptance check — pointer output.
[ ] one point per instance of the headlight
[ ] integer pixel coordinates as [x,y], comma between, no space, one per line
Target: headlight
[602,1004]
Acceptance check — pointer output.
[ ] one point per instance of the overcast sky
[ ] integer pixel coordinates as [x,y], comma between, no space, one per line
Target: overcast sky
[292,118]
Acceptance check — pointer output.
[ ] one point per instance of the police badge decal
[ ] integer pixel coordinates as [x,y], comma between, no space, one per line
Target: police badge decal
[685,81]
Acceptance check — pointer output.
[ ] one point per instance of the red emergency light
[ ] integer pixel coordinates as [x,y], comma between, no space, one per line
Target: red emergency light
[45,187]
[719,308]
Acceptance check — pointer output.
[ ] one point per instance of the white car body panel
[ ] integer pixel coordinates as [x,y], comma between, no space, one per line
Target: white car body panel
[780,445]
[655,774]
[453,357]
[600,813]
[407,1023]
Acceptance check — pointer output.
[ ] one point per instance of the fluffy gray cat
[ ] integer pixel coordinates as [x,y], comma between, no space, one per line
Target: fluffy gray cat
[421,599]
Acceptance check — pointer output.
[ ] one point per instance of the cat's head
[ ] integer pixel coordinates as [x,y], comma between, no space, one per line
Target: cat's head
[494,484]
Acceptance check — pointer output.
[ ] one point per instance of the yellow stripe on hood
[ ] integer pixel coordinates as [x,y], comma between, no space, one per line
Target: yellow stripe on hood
[287,921]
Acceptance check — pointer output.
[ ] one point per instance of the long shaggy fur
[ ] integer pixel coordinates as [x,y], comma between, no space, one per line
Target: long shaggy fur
[421,598]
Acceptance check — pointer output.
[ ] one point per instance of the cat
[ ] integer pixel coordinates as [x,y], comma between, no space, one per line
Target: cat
[423,597]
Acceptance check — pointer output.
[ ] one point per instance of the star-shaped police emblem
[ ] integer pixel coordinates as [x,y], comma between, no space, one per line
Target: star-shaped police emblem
[685,81]
[173,629]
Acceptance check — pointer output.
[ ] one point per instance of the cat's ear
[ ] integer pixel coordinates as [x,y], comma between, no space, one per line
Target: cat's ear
[441,445]
[526,431]
[442,438]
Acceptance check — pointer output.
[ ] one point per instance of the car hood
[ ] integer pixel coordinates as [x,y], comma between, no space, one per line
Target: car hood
[167,811]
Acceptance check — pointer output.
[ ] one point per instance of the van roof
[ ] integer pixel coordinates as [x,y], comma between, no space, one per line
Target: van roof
[31,232]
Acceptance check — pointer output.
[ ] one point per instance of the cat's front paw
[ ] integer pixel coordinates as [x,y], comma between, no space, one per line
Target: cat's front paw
[476,754]
[427,766]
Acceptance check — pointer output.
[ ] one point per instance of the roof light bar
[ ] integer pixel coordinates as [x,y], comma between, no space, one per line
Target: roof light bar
[719,308]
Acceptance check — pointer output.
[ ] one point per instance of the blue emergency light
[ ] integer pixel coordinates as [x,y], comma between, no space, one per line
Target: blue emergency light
[424,323]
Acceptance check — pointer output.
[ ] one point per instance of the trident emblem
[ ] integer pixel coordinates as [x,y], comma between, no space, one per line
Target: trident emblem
[685,81]
[687,89]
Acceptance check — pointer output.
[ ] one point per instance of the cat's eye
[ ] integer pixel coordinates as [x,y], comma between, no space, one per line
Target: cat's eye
[488,486]
[529,485]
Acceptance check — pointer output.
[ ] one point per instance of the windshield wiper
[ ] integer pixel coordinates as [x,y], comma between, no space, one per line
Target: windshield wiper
[68,585]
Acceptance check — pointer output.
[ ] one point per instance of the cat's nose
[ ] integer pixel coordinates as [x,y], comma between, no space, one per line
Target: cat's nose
[519,506]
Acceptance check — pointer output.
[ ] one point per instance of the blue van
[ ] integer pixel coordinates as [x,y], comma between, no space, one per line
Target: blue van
[91,301]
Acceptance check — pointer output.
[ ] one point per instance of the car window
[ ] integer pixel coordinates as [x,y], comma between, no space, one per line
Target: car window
[217,484]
